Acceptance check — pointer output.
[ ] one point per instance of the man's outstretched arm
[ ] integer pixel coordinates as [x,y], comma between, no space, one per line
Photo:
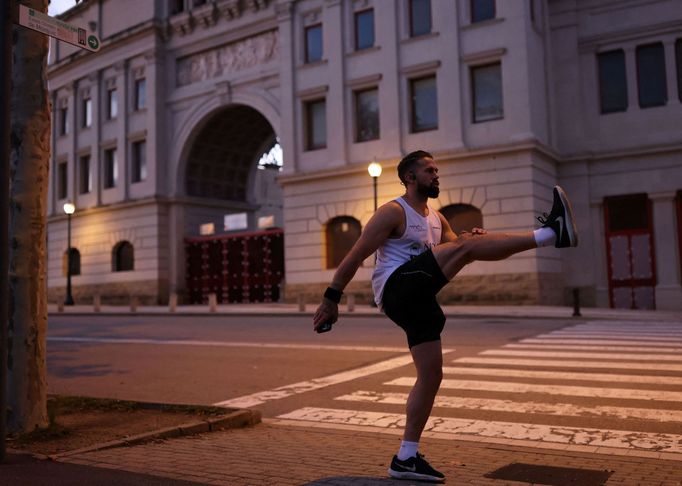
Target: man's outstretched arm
[376,232]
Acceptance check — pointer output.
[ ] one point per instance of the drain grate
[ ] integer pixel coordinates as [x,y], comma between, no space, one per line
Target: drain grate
[550,475]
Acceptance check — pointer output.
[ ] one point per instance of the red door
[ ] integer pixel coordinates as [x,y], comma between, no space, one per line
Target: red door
[630,252]
[244,267]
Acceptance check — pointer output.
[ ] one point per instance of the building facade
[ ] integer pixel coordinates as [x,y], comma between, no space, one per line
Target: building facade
[160,133]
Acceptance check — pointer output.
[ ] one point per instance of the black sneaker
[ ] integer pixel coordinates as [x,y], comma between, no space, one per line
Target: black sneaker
[561,220]
[414,468]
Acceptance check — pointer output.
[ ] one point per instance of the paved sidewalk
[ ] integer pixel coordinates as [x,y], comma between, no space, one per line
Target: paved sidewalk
[270,454]
[265,309]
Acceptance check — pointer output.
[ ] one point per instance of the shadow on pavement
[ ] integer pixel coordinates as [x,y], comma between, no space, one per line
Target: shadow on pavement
[363,481]
[25,470]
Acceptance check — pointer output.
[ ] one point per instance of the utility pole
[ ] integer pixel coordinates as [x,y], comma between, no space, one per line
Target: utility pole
[5,89]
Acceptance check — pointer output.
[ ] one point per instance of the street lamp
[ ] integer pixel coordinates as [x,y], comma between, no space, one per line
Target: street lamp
[69,209]
[374,170]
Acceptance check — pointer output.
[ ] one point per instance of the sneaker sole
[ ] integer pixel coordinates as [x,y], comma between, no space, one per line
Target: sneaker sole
[570,225]
[414,475]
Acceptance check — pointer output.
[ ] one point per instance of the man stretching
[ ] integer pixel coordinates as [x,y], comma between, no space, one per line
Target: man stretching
[417,254]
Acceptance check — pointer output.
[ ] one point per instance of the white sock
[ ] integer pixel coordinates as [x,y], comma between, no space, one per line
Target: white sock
[544,237]
[407,450]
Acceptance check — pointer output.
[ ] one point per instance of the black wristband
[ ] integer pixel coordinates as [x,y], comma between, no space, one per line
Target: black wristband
[333,295]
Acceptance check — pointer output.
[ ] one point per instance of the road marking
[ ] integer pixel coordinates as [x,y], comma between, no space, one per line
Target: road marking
[617,332]
[316,383]
[576,391]
[605,342]
[565,375]
[559,354]
[551,363]
[590,347]
[227,344]
[489,404]
[609,336]
[466,429]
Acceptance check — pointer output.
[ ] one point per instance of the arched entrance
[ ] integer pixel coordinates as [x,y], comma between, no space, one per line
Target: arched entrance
[234,244]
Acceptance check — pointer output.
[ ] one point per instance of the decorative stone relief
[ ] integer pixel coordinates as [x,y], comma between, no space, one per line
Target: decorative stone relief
[231,9]
[228,59]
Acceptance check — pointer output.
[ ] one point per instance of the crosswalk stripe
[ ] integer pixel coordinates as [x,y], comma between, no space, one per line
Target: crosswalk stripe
[315,384]
[576,391]
[609,336]
[494,405]
[464,429]
[565,375]
[600,342]
[593,347]
[589,332]
[553,363]
[559,354]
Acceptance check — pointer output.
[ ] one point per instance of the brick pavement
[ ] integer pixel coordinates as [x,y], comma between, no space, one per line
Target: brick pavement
[270,454]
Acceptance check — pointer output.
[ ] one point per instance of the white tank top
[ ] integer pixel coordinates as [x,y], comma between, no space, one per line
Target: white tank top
[421,233]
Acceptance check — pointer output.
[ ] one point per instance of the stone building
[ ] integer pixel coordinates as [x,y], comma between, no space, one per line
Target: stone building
[161,131]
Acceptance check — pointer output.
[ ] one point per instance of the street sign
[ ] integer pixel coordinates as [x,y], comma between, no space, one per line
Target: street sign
[38,21]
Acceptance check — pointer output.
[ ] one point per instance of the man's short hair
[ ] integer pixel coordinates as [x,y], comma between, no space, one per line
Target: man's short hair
[409,161]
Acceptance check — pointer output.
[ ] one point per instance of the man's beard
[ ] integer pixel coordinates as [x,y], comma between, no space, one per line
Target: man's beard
[428,191]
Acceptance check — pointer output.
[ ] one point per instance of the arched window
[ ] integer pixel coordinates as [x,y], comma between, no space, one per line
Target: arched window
[123,257]
[75,262]
[342,232]
[463,217]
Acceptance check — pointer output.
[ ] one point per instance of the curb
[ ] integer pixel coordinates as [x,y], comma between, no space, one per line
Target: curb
[235,420]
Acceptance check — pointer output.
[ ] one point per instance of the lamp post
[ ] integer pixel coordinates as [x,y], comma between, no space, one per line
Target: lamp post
[69,209]
[374,170]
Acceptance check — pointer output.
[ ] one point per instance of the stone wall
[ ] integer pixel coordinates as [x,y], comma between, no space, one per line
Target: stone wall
[500,289]
[148,292]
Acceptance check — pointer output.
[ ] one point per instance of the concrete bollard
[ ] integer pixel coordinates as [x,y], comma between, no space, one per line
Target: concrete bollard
[301,303]
[350,301]
[173,302]
[60,306]
[133,303]
[212,302]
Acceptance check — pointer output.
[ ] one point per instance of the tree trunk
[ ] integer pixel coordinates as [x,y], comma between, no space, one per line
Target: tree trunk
[29,166]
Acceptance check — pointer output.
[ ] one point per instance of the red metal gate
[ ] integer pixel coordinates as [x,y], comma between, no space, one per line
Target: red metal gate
[630,251]
[243,267]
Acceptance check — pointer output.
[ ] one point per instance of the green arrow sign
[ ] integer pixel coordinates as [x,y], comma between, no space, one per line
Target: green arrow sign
[53,27]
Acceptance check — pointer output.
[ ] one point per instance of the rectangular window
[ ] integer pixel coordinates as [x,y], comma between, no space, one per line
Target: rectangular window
[313,43]
[316,124]
[366,115]
[364,29]
[112,103]
[613,90]
[420,17]
[110,168]
[486,84]
[653,89]
[140,93]
[86,113]
[84,175]
[424,104]
[176,6]
[482,10]
[139,161]
[678,58]
[532,10]
[63,121]
[62,181]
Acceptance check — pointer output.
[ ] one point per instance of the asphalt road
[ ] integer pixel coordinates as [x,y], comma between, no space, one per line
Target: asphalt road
[538,382]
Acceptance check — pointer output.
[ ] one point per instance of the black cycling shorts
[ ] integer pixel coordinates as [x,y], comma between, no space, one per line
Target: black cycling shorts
[409,298]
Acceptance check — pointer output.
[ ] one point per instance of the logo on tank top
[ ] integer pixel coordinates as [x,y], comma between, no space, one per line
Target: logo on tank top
[417,227]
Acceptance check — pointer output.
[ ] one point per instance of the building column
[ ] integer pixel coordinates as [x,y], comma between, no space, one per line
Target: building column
[287,129]
[601,261]
[668,289]
[121,69]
